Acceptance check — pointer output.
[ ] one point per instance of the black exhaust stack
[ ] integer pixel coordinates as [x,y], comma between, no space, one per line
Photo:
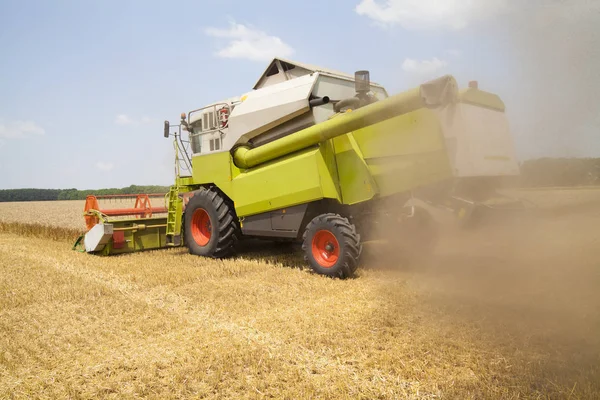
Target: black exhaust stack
[318,101]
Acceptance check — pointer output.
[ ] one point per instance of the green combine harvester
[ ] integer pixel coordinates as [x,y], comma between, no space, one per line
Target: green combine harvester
[321,158]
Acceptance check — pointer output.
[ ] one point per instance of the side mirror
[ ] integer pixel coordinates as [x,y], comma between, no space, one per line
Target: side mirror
[167,129]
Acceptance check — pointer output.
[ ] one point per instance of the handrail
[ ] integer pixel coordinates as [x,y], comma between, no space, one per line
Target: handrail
[217,128]
[179,146]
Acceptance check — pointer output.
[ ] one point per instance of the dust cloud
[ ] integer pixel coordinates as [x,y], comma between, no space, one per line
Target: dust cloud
[525,286]
[522,284]
[553,82]
[532,279]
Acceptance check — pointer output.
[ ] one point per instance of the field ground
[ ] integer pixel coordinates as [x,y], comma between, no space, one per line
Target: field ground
[510,310]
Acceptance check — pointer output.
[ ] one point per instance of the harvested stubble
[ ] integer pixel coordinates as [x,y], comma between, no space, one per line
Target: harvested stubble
[509,312]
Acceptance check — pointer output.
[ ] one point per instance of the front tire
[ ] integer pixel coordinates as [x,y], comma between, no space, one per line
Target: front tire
[332,246]
[211,228]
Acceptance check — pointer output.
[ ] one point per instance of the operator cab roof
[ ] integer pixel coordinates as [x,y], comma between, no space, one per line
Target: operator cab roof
[280,70]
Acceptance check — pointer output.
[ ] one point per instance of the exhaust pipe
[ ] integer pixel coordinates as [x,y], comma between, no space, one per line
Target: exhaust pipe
[318,101]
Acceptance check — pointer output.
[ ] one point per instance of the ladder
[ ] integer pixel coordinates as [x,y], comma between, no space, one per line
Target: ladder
[174,217]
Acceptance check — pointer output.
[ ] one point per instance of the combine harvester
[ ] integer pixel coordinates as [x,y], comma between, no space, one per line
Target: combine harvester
[322,158]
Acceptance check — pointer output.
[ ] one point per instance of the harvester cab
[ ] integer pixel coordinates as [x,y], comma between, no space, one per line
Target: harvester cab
[321,158]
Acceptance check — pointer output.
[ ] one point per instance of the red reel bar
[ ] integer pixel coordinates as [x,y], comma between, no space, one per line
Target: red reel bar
[116,196]
[142,208]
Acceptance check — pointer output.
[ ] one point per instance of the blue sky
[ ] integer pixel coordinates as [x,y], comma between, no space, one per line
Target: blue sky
[85,86]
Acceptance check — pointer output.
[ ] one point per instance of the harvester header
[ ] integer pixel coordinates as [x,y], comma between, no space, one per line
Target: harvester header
[141,209]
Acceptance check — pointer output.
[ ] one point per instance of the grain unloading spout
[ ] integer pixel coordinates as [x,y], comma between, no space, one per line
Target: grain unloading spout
[436,93]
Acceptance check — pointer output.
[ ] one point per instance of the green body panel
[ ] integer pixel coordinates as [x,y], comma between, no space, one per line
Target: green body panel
[184,181]
[154,236]
[405,152]
[332,187]
[355,180]
[214,168]
[298,178]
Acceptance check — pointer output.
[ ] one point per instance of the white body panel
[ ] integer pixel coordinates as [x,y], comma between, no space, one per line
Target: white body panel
[97,237]
[280,99]
[278,105]
[281,69]
[478,140]
[268,107]
[338,88]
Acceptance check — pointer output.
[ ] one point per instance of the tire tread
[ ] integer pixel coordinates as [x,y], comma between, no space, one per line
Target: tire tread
[228,229]
[351,240]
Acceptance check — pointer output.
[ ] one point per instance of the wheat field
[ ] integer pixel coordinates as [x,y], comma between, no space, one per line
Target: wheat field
[509,311]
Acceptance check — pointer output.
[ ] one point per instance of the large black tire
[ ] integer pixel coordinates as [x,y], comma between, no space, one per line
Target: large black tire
[211,226]
[332,246]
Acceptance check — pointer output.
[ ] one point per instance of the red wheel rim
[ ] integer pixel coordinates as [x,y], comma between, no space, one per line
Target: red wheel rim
[325,248]
[201,227]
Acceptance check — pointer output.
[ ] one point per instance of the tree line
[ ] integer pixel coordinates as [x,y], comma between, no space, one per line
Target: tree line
[72,194]
[541,172]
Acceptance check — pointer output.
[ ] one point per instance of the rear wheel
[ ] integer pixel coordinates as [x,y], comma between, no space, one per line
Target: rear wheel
[211,227]
[332,246]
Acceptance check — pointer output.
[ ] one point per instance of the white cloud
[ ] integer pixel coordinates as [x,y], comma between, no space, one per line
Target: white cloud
[104,166]
[424,69]
[430,14]
[126,120]
[18,129]
[248,43]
